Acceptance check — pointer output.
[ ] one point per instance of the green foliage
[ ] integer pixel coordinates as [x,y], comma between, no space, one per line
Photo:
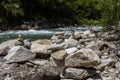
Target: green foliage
[90,22]
[91,12]
[13,7]
[111,12]
[10,10]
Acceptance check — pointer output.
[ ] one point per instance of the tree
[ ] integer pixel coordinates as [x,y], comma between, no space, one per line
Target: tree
[10,10]
[111,12]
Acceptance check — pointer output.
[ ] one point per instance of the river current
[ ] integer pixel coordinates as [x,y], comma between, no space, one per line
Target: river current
[41,34]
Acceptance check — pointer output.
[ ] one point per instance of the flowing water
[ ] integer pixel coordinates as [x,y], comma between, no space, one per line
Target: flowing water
[40,34]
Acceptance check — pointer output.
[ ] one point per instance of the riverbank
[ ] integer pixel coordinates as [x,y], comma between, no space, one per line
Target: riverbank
[37,25]
[78,56]
[32,25]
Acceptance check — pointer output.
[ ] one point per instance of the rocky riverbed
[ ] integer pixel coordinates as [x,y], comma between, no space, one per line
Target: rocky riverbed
[77,56]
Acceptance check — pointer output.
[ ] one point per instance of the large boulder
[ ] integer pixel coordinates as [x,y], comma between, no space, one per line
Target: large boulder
[19,54]
[40,49]
[84,58]
[5,46]
[79,74]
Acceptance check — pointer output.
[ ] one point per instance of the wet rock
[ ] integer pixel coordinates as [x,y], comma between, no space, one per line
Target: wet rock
[79,74]
[83,57]
[59,55]
[5,46]
[19,54]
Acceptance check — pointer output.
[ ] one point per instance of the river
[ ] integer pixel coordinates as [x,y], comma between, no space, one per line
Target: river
[40,34]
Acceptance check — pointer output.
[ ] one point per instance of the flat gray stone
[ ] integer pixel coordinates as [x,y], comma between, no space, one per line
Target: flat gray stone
[19,54]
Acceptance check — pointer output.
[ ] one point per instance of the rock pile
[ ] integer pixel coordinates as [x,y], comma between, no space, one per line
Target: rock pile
[81,56]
